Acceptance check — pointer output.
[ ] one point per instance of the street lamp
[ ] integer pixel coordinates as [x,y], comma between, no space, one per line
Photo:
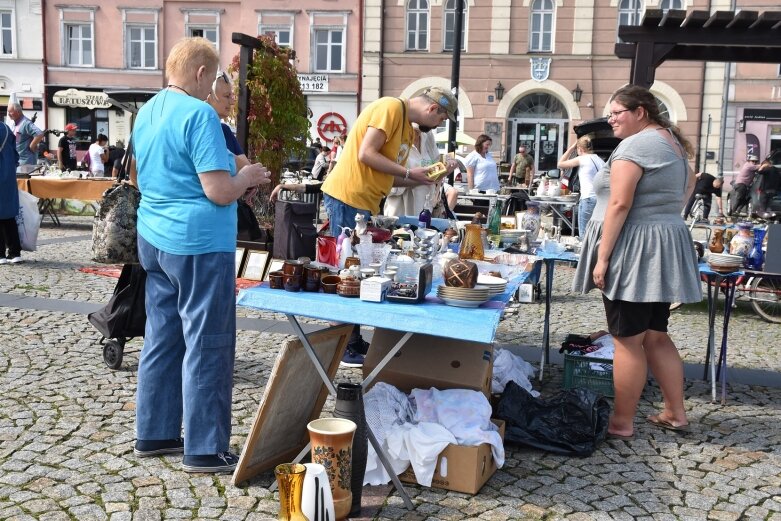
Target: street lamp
[577,93]
[499,90]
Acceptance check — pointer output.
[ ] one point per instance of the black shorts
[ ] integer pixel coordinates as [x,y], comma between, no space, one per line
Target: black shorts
[632,318]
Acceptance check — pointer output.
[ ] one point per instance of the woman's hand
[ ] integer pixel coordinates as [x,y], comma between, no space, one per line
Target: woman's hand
[256,174]
[275,193]
[599,273]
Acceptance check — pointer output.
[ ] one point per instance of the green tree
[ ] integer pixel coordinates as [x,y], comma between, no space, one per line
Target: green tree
[278,126]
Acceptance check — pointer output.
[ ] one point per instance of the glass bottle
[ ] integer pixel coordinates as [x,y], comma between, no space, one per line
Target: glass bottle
[424,218]
[495,218]
[472,245]
[756,258]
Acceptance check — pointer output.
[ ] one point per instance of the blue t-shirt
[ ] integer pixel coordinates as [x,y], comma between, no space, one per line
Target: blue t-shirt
[231,141]
[25,132]
[176,137]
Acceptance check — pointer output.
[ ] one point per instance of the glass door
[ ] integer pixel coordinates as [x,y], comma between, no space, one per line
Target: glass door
[543,140]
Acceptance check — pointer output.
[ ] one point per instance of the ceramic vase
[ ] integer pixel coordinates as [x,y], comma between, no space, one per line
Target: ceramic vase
[472,245]
[331,440]
[317,503]
[349,405]
[290,479]
[716,244]
[530,221]
[742,242]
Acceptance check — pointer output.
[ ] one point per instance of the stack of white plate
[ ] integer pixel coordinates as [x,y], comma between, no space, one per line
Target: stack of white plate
[725,262]
[511,236]
[463,297]
[495,285]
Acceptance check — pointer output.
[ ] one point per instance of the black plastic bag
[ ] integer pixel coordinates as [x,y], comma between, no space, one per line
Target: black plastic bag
[248,228]
[574,422]
[125,314]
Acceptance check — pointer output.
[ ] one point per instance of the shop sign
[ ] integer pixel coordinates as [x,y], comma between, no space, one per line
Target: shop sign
[331,125]
[80,98]
[313,82]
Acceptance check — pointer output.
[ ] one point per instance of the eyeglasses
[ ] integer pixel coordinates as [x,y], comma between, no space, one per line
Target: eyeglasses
[614,114]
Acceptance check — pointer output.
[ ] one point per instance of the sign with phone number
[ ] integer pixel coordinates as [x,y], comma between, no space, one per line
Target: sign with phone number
[313,82]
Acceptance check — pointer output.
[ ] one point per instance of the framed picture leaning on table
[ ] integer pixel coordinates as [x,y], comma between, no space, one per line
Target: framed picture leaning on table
[274,265]
[239,259]
[255,265]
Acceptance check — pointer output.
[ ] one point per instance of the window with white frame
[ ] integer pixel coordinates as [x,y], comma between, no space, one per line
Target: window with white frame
[449,37]
[79,48]
[541,26]
[210,32]
[329,50]
[141,46]
[629,13]
[417,25]
[666,5]
[203,23]
[6,32]
[283,34]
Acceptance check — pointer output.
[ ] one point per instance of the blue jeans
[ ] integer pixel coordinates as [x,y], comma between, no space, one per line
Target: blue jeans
[185,372]
[341,215]
[585,209]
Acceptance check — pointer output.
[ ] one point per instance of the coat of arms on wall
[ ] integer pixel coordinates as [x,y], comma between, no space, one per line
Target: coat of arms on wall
[540,68]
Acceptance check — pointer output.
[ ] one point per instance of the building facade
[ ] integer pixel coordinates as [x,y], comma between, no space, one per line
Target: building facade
[105,58]
[21,57]
[521,61]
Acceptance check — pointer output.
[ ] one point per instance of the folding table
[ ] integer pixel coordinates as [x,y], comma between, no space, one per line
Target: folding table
[432,317]
[716,281]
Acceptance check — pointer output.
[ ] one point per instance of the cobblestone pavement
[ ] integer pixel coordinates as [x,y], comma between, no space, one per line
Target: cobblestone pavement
[66,423]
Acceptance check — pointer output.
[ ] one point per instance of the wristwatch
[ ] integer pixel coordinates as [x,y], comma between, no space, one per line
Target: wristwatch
[406,174]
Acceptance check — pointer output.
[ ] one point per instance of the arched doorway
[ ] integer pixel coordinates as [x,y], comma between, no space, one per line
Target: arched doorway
[540,122]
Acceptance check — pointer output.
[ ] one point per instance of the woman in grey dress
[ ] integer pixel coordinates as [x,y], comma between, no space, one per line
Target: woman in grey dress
[638,251]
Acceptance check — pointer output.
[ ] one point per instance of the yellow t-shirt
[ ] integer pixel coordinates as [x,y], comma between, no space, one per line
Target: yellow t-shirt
[353,182]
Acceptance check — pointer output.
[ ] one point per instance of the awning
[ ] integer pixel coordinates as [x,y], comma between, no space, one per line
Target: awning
[130,100]
[462,138]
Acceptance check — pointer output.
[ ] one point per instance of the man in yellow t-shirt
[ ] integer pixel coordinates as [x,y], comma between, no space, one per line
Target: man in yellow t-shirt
[375,154]
[373,161]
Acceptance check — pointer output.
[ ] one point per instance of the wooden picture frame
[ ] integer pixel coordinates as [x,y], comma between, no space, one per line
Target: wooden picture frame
[255,265]
[240,260]
[293,396]
[274,265]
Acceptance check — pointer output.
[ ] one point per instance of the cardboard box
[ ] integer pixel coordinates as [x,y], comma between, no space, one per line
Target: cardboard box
[374,289]
[430,361]
[462,469]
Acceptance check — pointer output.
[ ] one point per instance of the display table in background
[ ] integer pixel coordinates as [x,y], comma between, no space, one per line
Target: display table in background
[47,189]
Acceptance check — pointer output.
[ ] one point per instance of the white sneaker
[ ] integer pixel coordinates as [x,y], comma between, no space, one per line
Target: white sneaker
[3,260]
[16,260]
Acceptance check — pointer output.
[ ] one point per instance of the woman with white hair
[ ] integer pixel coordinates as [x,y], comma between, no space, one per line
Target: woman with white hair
[187,245]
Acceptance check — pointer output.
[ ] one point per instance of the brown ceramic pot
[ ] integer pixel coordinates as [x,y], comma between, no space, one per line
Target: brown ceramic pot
[312,276]
[275,280]
[329,283]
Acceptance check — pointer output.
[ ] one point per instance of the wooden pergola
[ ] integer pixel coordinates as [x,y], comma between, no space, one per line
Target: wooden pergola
[724,36]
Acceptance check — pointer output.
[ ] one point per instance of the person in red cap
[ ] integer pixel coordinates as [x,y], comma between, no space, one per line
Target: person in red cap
[66,148]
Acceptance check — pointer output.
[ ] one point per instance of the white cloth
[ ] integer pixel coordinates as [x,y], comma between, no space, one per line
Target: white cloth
[590,164]
[606,350]
[95,161]
[416,438]
[509,367]
[486,175]
[465,413]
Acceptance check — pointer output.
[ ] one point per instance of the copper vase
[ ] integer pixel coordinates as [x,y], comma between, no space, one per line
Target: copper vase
[332,440]
[290,479]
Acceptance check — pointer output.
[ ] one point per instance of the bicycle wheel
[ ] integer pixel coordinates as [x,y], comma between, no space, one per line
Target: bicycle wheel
[765,295]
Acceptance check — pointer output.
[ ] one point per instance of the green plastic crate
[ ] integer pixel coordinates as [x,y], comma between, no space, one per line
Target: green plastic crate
[578,373]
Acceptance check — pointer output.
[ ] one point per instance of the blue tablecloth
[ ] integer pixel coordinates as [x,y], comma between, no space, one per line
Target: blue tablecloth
[431,317]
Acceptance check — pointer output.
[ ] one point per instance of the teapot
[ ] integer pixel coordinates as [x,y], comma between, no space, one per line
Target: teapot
[554,190]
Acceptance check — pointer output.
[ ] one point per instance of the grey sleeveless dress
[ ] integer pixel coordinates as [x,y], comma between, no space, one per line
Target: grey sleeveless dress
[654,259]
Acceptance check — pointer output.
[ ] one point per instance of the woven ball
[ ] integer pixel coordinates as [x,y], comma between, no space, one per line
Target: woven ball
[460,273]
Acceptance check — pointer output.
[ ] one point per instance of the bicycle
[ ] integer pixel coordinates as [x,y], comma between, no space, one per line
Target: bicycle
[697,212]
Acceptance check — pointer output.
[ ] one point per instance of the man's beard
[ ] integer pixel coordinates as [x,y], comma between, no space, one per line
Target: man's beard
[424,128]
